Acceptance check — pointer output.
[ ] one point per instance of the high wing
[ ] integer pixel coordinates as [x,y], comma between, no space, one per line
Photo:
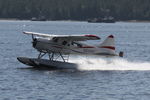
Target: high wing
[66,37]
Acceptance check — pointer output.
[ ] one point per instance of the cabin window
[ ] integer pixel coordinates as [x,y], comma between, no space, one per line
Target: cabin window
[79,45]
[64,42]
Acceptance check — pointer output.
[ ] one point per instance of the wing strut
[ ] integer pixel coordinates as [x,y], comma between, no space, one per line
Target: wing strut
[55,56]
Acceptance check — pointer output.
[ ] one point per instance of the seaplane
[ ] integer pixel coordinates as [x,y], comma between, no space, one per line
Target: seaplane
[58,48]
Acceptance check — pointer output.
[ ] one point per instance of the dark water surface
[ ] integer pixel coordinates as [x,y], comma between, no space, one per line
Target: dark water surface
[104,81]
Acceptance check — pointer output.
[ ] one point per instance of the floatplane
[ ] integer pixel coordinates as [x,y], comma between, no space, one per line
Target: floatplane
[58,48]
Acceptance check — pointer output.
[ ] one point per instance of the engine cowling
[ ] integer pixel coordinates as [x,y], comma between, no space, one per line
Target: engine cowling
[34,42]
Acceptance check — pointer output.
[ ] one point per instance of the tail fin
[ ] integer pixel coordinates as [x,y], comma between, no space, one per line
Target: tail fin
[109,43]
[108,46]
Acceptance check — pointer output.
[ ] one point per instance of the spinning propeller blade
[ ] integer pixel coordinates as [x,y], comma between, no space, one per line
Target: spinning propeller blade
[34,42]
[33,37]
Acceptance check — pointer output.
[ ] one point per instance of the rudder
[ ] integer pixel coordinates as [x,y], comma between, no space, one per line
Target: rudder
[108,46]
[108,43]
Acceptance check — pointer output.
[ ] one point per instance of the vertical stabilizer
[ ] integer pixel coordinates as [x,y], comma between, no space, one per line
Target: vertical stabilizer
[109,43]
[108,46]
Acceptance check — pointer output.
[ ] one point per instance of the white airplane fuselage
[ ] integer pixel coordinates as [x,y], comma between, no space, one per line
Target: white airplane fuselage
[71,47]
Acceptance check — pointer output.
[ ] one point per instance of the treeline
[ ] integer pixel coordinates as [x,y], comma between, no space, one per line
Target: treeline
[75,9]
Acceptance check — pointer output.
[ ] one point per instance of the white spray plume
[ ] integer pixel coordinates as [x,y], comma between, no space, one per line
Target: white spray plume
[109,64]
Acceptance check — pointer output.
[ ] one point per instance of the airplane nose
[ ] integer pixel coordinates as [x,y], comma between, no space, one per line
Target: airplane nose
[34,42]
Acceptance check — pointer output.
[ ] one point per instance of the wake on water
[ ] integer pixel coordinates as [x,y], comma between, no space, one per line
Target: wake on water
[110,64]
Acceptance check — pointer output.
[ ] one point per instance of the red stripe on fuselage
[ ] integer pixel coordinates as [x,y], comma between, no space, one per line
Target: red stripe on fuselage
[108,47]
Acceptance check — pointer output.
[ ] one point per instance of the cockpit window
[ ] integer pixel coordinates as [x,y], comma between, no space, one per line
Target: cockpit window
[55,39]
[72,43]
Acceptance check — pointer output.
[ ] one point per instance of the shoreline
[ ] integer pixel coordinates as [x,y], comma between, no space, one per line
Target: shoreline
[130,21]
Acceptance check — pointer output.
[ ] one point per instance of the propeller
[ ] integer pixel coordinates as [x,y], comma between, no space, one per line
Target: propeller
[34,42]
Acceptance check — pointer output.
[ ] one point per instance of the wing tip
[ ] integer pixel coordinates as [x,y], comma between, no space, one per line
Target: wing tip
[111,36]
[25,32]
